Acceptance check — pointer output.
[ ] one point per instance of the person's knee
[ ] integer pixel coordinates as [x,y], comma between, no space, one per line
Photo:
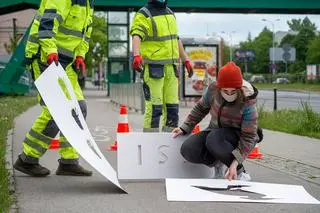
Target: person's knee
[218,151]
[184,151]
[188,153]
[83,107]
[218,144]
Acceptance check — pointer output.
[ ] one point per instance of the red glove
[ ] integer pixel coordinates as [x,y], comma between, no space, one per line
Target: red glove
[53,57]
[137,63]
[189,67]
[79,63]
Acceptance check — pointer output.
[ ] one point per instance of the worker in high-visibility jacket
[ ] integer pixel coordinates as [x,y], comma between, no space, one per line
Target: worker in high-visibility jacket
[60,33]
[157,50]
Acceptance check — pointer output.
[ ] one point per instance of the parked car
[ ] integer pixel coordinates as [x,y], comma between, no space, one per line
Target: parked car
[281,81]
[257,79]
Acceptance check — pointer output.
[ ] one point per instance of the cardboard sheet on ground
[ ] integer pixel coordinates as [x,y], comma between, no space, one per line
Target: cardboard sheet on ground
[220,190]
[65,110]
[144,156]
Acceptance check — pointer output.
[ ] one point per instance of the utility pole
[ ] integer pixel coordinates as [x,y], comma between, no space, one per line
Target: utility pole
[230,36]
[273,44]
[221,52]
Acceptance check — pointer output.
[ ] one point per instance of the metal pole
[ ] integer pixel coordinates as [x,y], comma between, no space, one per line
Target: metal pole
[273,44]
[273,50]
[230,35]
[230,47]
[286,67]
[246,66]
[275,99]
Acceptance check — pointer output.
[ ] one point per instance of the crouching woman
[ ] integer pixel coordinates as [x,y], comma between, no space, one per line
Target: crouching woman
[232,132]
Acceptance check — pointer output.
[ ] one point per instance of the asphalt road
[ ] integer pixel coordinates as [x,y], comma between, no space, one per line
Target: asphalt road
[286,99]
[96,194]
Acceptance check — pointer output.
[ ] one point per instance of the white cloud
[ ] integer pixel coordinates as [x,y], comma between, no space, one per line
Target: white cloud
[201,24]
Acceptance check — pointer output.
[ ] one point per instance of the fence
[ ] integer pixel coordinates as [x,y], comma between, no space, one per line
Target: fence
[130,95]
[269,78]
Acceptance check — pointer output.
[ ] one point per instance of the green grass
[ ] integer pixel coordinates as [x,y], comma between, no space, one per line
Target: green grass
[304,122]
[293,87]
[10,107]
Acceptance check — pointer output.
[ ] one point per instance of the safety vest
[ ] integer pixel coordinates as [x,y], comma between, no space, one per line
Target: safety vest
[157,28]
[61,26]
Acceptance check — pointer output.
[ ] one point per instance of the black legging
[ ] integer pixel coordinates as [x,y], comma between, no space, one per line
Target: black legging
[208,146]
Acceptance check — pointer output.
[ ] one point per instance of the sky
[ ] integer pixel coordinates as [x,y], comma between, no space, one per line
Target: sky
[202,24]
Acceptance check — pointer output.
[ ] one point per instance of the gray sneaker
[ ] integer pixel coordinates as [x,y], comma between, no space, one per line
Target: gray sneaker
[220,170]
[243,176]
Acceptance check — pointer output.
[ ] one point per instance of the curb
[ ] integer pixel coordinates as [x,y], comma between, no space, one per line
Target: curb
[9,167]
[288,90]
[130,109]
[282,170]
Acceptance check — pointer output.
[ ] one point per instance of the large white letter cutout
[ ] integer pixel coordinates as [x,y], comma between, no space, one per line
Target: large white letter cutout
[155,156]
[66,112]
[235,191]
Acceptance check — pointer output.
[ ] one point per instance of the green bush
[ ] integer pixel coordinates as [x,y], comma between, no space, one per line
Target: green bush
[10,108]
[304,122]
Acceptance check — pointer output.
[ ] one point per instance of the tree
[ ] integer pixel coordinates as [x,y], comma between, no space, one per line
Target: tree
[226,54]
[11,46]
[298,24]
[98,43]
[288,39]
[306,32]
[301,42]
[249,38]
[313,53]
[14,39]
[260,45]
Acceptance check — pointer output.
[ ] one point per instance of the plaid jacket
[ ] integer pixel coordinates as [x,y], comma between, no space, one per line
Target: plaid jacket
[223,114]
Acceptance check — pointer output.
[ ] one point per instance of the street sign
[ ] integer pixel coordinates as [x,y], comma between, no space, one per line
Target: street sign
[285,54]
[244,55]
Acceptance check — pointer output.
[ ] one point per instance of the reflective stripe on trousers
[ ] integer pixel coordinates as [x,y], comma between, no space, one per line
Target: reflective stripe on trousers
[39,138]
[161,93]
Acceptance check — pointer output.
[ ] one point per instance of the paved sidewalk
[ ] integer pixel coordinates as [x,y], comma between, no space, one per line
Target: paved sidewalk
[95,194]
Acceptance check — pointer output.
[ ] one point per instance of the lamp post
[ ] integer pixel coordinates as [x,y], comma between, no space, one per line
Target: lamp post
[273,43]
[230,35]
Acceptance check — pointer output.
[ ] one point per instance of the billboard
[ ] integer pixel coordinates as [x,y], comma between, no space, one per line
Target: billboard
[313,72]
[205,63]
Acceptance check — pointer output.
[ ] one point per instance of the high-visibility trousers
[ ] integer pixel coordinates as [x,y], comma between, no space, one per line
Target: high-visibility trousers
[160,86]
[44,129]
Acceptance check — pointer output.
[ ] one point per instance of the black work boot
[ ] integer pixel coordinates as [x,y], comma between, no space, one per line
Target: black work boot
[34,170]
[72,170]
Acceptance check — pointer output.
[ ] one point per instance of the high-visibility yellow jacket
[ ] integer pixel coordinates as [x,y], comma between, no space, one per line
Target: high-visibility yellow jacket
[158,31]
[61,26]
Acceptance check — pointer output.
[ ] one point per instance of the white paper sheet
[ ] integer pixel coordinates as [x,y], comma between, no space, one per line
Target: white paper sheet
[61,110]
[155,156]
[221,190]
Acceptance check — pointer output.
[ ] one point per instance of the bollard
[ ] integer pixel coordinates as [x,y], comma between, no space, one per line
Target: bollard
[275,99]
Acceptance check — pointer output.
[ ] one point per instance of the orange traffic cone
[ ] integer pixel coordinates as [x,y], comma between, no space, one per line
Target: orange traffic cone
[55,144]
[255,154]
[123,125]
[196,129]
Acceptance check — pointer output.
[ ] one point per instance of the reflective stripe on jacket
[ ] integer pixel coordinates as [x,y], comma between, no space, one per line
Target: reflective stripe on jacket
[158,31]
[61,26]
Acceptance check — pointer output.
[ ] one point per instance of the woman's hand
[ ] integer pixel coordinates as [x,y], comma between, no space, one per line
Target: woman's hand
[232,171]
[176,132]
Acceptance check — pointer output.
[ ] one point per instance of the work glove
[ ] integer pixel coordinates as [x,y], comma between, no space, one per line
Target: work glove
[80,65]
[53,57]
[189,67]
[137,63]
